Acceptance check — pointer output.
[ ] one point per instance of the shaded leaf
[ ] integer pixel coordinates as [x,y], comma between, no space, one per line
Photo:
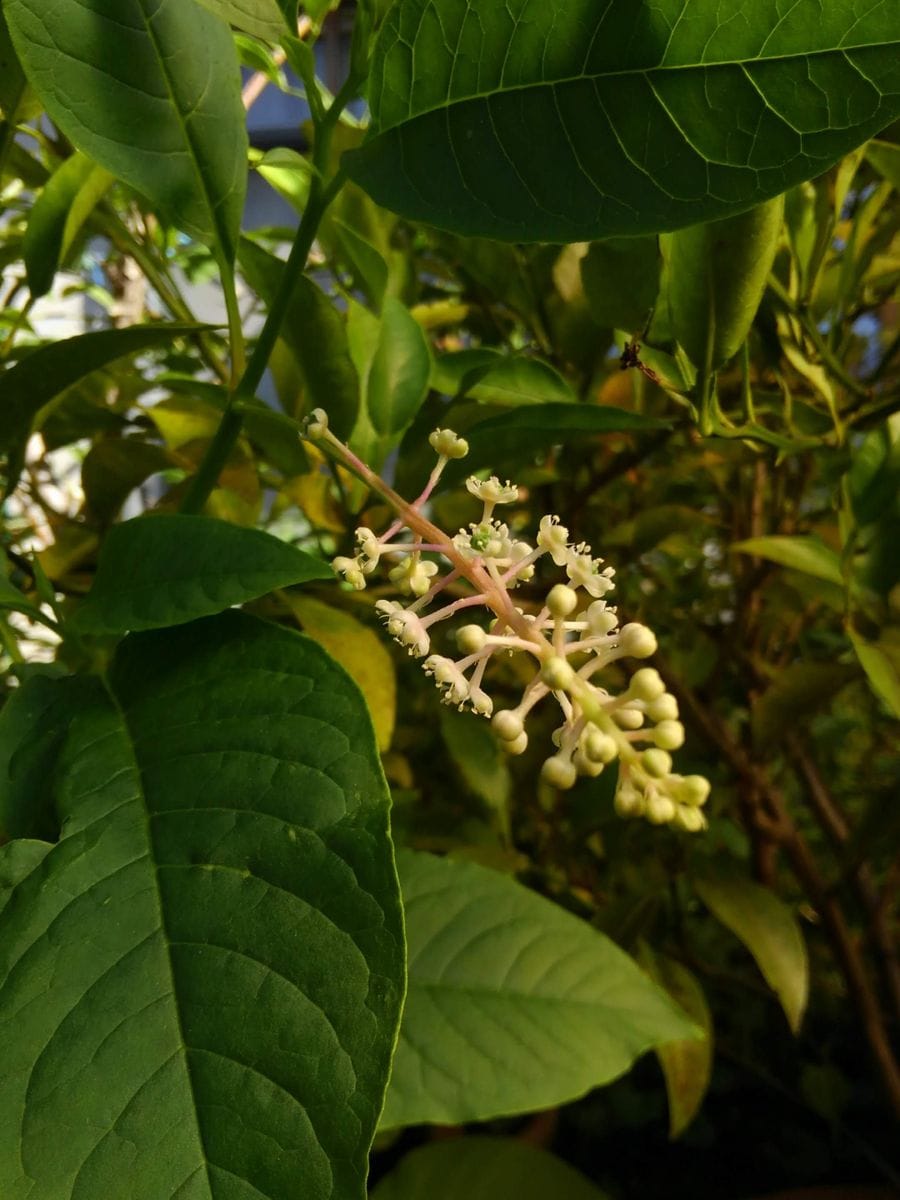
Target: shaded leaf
[769,930]
[647,116]
[165,569]
[314,332]
[881,662]
[687,1064]
[796,692]
[113,468]
[477,756]
[41,376]
[515,437]
[227,936]
[125,90]
[621,280]
[514,380]
[361,653]
[885,158]
[398,374]
[289,173]
[513,1004]
[57,217]
[483,1168]
[800,553]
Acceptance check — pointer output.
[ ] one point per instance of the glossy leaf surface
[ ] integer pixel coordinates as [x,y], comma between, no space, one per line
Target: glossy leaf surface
[647,116]
[222,924]
[513,1003]
[167,569]
[149,90]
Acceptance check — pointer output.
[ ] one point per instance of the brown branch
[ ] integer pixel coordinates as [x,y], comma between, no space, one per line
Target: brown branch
[770,812]
[835,825]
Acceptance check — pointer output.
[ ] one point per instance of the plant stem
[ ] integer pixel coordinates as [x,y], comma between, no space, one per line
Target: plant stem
[232,422]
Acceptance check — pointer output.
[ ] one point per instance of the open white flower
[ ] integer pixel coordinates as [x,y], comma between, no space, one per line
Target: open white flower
[351,570]
[413,575]
[554,538]
[492,491]
[369,549]
[484,539]
[585,571]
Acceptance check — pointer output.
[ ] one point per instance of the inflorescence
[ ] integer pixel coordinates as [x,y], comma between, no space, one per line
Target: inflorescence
[572,638]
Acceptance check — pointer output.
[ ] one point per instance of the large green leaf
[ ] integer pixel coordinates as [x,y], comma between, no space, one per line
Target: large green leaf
[200,983]
[150,90]
[513,438]
[568,120]
[484,1168]
[398,374]
[769,930]
[514,1004]
[41,376]
[166,569]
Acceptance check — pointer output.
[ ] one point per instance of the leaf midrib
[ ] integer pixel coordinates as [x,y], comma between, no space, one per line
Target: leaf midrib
[451,102]
[141,800]
[224,240]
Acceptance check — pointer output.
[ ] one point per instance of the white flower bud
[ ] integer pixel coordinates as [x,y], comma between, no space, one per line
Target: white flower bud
[628,718]
[559,772]
[448,677]
[637,641]
[562,600]
[669,735]
[507,725]
[693,790]
[599,747]
[646,684]
[660,807]
[518,551]
[586,766]
[629,802]
[517,746]
[656,763]
[448,444]
[369,549]
[317,423]
[557,673]
[413,575]
[471,639]
[691,820]
[664,708]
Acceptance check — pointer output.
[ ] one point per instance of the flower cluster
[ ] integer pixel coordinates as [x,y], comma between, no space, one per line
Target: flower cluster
[571,636]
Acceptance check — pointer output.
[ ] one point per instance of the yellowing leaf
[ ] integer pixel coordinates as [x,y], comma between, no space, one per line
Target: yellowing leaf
[362,655]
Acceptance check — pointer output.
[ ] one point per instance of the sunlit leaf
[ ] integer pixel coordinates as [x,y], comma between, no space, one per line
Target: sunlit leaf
[800,553]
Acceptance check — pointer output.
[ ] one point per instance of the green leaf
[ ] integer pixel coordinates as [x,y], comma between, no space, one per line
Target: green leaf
[570,120]
[687,1064]
[263,18]
[222,926]
[12,77]
[58,216]
[361,653]
[769,930]
[166,568]
[370,271]
[398,375]
[314,332]
[885,158]
[795,693]
[12,600]
[33,726]
[289,173]
[800,553]
[513,438]
[114,467]
[477,756]
[514,380]
[881,662]
[45,373]
[149,91]
[483,1168]
[513,1004]
[621,280]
